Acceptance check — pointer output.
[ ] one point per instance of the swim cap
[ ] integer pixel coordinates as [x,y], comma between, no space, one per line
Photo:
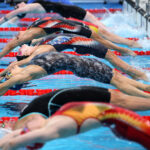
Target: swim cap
[21,57]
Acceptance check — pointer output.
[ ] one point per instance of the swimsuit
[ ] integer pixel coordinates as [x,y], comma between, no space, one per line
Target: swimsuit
[48,104]
[80,44]
[124,123]
[62,1]
[59,25]
[52,62]
[63,9]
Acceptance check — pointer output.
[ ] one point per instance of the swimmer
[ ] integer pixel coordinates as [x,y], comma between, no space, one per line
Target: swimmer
[34,129]
[51,62]
[49,25]
[65,10]
[81,45]
[55,99]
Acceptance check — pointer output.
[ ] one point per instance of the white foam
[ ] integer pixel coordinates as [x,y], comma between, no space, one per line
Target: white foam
[145,43]
[123,24]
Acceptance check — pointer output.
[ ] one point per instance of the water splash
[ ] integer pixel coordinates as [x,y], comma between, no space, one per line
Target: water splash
[123,24]
[145,43]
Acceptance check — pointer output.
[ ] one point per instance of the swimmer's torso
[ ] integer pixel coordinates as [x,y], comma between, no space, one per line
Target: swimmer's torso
[53,62]
[49,103]
[80,44]
[54,25]
[64,10]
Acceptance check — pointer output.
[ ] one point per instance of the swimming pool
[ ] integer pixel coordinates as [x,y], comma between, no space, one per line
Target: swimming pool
[101,138]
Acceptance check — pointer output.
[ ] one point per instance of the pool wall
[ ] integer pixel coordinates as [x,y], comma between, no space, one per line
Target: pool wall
[141,11]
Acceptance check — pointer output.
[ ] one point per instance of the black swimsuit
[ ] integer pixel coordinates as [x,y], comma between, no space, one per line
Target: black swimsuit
[80,44]
[52,62]
[63,9]
[54,25]
[60,8]
[48,104]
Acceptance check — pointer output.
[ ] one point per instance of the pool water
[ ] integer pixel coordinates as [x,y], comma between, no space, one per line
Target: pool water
[101,138]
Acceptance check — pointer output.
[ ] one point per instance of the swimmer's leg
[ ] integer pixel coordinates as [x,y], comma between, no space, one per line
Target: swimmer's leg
[108,44]
[69,127]
[22,38]
[123,66]
[129,86]
[104,31]
[129,102]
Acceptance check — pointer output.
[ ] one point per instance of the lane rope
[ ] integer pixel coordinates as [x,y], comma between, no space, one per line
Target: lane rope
[34,92]
[112,10]
[140,53]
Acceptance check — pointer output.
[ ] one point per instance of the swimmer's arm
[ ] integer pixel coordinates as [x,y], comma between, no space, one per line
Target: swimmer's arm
[9,136]
[39,135]
[29,8]
[52,130]
[3,73]
[18,63]
[13,14]
[30,72]
[17,79]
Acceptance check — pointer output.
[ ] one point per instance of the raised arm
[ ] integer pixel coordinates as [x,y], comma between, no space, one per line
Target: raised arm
[22,38]
[30,72]
[28,8]
[49,132]
[18,63]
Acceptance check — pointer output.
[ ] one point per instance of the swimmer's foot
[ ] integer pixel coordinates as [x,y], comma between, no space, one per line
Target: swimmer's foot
[147,88]
[128,53]
[135,44]
[141,77]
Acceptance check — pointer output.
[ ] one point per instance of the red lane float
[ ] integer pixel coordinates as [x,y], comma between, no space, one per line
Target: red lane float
[25,28]
[34,19]
[33,92]
[112,10]
[11,29]
[66,72]
[14,54]
[29,92]
[140,53]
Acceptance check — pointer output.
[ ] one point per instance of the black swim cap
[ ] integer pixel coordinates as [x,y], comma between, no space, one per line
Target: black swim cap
[21,57]
[16,87]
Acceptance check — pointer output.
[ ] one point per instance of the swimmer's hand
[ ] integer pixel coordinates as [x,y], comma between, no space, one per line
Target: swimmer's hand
[35,41]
